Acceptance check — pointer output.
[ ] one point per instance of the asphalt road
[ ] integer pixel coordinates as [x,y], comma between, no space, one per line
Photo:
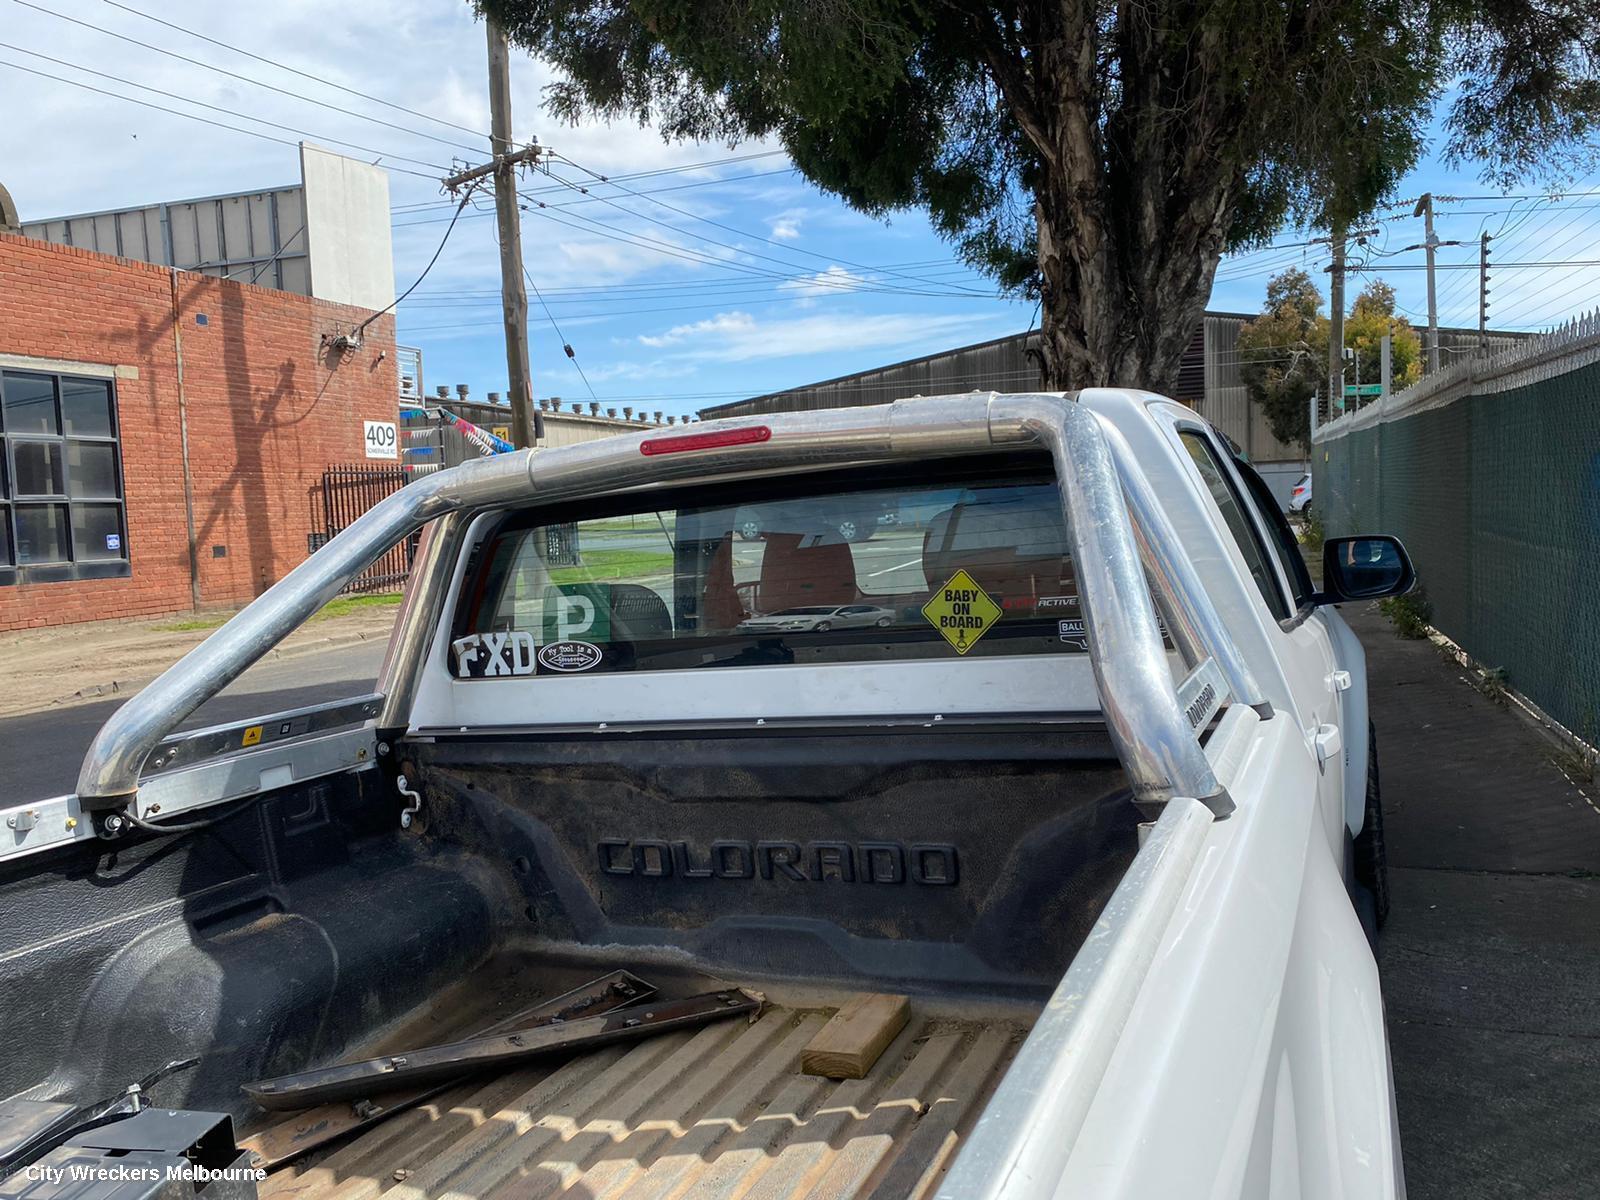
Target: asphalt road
[40,752]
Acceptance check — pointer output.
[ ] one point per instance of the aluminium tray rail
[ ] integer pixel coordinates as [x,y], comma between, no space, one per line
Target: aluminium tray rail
[1129,560]
[1118,534]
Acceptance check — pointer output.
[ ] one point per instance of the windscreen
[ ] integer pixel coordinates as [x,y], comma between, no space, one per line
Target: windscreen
[942,570]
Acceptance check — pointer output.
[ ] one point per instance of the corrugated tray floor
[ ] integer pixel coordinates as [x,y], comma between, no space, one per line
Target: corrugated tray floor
[718,1112]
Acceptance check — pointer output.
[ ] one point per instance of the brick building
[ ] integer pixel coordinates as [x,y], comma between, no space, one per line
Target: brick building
[163,432]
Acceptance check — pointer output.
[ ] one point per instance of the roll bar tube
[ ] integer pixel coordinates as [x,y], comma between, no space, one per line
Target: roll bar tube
[1159,750]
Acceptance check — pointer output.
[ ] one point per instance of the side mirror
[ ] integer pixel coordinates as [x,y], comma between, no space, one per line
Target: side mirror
[1365,568]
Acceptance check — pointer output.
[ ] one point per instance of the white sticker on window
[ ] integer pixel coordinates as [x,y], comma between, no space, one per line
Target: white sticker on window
[485,655]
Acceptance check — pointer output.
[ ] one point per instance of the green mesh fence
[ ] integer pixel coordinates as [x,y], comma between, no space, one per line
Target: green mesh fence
[1497,498]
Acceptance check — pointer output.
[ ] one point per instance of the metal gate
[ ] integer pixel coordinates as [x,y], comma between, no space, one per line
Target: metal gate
[348,491]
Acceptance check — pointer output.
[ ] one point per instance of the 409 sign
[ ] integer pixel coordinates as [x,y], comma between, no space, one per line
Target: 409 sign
[380,439]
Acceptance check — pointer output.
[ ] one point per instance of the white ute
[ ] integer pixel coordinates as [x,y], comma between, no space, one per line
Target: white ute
[1072,756]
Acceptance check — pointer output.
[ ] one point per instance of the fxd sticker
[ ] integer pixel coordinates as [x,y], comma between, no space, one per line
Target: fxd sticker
[482,655]
[961,611]
[569,656]
[577,610]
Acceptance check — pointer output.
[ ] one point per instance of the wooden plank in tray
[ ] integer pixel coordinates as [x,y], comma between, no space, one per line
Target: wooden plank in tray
[848,1045]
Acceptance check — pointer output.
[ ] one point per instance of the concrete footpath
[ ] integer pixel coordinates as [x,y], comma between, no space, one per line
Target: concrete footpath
[1491,957]
[46,669]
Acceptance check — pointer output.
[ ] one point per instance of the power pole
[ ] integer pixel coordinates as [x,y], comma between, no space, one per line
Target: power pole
[1336,243]
[526,427]
[1430,242]
[1483,292]
[1336,324]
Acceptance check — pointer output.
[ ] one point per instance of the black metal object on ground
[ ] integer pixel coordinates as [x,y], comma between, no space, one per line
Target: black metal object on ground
[151,1154]
[329,1123]
[436,1064]
[42,1127]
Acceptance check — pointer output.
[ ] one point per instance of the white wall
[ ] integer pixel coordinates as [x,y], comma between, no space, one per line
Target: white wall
[347,229]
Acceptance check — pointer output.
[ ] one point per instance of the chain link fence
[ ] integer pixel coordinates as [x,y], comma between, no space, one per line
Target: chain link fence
[1490,474]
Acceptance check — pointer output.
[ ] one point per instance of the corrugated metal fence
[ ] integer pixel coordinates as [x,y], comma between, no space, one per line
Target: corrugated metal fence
[1490,473]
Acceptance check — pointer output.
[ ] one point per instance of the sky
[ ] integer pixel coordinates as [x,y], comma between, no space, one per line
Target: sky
[701,274]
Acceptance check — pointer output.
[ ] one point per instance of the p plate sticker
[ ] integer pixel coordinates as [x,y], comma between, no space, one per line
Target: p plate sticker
[961,611]
[569,656]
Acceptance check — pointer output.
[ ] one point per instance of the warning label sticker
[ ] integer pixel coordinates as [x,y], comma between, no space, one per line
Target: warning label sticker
[962,611]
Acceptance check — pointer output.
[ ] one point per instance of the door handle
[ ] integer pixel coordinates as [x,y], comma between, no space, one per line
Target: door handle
[1328,742]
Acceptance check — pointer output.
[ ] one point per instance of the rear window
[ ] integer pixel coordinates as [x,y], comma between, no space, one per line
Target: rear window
[980,567]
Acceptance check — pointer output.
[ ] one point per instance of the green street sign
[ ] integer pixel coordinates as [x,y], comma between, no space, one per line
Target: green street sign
[1363,389]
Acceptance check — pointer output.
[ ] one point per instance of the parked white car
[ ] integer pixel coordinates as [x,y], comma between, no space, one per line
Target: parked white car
[1300,497]
[1091,849]
[819,619]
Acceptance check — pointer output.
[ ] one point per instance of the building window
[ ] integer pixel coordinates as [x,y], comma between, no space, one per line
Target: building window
[61,507]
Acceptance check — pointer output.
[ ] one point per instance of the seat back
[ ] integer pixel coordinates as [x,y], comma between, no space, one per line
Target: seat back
[795,574]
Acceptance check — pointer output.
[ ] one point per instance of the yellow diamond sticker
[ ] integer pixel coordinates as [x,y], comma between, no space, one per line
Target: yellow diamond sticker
[962,611]
[251,736]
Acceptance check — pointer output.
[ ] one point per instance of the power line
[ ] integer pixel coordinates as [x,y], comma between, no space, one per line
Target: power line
[60,62]
[293,238]
[565,345]
[634,312]
[690,255]
[242,78]
[714,282]
[293,70]
[786,264]
[704,164]
[429,205]
[393,303]
[718,224]
[174,112]
[802,289]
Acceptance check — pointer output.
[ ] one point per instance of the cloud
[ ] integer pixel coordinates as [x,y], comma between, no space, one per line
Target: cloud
[786,228]
[740,337]
[655,369]
[830,282]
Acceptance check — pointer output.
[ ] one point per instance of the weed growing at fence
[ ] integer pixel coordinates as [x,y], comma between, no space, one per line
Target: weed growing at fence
[1575,763]
[1411,614]
[1311,534]
[1491,681]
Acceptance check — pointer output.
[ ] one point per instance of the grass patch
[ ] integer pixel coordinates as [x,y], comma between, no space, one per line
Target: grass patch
[342,606]
[632,524]
[1411,614]
[602,566]
[190,624]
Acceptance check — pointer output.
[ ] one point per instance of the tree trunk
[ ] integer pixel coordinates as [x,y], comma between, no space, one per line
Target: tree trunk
[1132,207]
[1106,325]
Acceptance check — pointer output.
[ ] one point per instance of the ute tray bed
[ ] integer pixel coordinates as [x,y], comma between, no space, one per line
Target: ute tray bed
[722,1111]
